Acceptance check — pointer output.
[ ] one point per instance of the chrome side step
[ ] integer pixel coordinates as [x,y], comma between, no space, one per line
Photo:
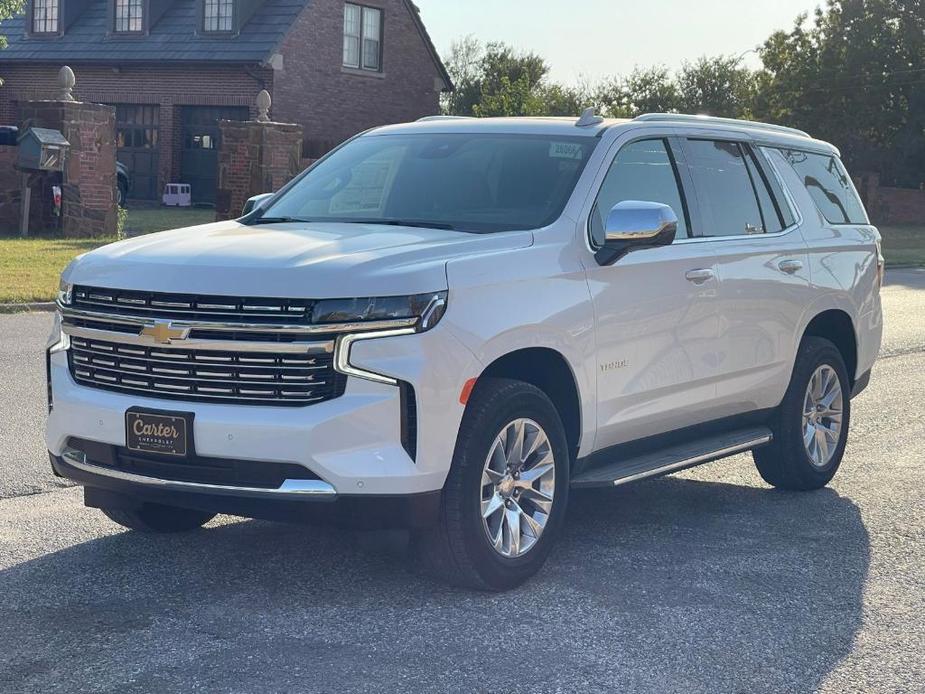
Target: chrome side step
[673,458]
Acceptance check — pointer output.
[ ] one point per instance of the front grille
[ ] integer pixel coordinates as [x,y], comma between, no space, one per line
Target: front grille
[192,307]
[257,378]
[203,470]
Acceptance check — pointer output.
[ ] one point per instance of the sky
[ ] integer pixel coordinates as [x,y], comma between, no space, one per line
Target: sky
[596,38]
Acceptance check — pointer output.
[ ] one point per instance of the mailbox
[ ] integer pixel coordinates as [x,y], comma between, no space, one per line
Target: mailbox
[41,149]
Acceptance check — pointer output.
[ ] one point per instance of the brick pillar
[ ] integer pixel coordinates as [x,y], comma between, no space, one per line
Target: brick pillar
[255,157]
[89,179]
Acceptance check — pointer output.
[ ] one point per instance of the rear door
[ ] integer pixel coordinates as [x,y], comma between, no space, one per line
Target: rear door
[655,309]
[752,230]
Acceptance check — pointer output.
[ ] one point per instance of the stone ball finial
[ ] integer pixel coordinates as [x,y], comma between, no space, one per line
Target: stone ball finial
[263,106]
[66,82]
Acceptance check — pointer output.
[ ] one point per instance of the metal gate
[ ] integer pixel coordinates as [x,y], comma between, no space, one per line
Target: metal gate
[199,159]
[136,147]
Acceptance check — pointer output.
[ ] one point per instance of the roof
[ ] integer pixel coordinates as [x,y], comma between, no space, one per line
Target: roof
[171,39]
[46,136]
[560,127]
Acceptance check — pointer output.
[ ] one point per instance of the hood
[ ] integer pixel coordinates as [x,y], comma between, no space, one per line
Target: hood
[298,260]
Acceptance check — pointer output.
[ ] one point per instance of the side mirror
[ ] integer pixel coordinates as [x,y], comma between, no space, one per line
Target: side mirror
[635,224]
[255,203]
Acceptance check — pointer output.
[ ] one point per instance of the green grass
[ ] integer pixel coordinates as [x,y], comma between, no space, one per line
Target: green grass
[29,268]
[904,245]
[144,219]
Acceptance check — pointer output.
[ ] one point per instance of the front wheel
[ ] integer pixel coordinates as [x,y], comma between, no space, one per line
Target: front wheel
[506,494]
[811,425]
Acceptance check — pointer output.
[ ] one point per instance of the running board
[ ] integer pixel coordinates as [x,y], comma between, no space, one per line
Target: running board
[673,458]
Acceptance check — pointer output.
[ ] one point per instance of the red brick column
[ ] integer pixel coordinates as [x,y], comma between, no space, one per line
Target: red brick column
[89,177]
[255,157]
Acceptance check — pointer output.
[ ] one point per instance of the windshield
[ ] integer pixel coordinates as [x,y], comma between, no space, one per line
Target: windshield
[466,182]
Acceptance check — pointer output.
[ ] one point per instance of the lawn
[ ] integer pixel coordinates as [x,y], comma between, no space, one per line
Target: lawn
[904,246]
[29,268]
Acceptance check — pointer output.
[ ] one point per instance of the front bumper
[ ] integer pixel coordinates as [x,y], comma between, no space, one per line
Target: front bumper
[353,444]
[306,503]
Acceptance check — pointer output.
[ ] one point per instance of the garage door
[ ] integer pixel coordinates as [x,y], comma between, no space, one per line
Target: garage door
[199,160]
[136,142]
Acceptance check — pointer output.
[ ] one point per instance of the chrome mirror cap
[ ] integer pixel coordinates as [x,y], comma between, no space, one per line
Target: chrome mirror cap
[638,220]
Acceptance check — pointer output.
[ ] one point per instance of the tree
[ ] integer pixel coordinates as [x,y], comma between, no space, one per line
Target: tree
[717,86]
[855,75]
[9,8]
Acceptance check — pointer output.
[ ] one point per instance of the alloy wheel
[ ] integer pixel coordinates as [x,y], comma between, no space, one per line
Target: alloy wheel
[822,415]
[518,487]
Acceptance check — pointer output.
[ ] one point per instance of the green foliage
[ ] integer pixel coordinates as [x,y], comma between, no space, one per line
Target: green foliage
[122,215]
[9,8]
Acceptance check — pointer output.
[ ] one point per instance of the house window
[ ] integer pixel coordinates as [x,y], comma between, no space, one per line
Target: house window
[128,15]
[362,37]
[45,16]
[217,15]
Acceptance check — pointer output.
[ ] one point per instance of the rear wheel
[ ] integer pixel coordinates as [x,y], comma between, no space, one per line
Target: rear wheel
[811,425]
[155,518]
[506,494]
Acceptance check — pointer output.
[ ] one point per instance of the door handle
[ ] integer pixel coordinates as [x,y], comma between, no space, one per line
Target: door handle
[790,266]
[699,276]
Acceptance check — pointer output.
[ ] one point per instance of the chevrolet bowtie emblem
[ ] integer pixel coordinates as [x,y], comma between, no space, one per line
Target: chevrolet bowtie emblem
[164,333]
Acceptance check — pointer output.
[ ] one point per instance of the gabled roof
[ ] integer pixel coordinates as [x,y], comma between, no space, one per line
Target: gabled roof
[171,39]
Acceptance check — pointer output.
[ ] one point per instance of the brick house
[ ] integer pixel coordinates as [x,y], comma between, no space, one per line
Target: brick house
[173,68]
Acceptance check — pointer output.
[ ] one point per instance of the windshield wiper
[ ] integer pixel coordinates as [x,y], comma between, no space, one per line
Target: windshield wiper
[420,224]
[277,220]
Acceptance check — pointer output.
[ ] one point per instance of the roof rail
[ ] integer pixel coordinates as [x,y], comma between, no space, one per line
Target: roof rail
[425,119]
[752,125]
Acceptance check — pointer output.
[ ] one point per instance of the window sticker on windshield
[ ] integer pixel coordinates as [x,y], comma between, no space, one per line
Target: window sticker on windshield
[565,150]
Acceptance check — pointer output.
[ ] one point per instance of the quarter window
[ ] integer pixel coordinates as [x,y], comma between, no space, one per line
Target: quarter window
[645,171]
[45,16]
[362,37]
[128,15]
[217,15]
[829,185]
[729,199]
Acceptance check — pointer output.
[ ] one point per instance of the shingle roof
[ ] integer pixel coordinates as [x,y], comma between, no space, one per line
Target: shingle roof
[172,38]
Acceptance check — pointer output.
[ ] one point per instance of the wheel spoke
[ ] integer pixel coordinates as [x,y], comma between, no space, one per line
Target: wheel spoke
[490,506]
[532,526]
[538,498]
[822,444]
[538,471]
[512,518]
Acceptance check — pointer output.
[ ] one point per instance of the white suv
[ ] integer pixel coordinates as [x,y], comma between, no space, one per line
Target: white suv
[446,325]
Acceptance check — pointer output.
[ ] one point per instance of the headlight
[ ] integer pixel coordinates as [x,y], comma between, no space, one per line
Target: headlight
[65,293]
[429,308]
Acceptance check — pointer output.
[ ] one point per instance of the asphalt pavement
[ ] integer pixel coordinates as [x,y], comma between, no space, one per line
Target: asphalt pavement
[705,581]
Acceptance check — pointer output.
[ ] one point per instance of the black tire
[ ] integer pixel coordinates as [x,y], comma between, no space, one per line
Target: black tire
[457,550]
[121,193]
[155,518]
[785,463]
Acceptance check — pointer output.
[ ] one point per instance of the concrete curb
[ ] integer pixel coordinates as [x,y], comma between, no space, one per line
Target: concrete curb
[31,306]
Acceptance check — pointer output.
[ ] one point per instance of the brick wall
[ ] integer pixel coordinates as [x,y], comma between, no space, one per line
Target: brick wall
[333,103]
[254,158]
[887,205]
[171,87]
[89,177]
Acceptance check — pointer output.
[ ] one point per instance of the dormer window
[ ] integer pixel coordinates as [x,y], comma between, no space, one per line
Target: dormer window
[362,37]
[45,17]
[129,16]
[217,15]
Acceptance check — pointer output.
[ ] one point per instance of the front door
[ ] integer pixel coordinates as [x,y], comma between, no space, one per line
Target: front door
[201,140]
[655,309]
[136,142]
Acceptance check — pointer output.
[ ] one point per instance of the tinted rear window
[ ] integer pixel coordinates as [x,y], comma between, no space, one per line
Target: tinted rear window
[829,185]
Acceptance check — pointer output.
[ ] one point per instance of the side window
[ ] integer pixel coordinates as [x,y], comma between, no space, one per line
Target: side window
[769,157]
[643,170]
[829,185]
[770,211]
[725,190]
